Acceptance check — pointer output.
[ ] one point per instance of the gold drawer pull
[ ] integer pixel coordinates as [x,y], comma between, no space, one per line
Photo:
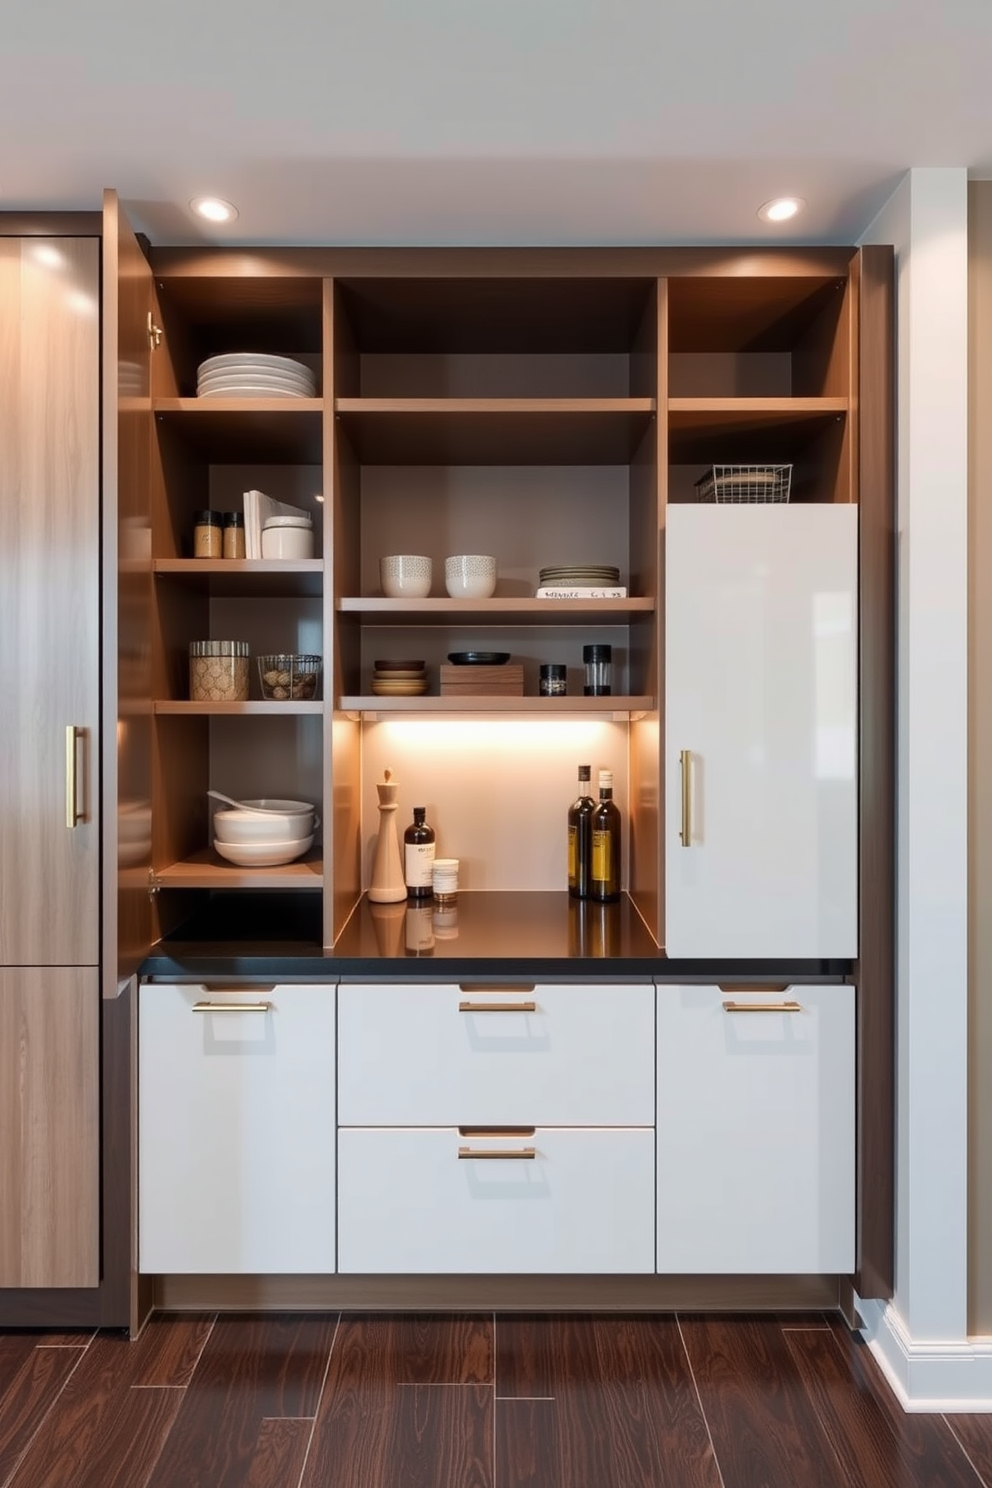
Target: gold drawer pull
[72,813]
[762,1007]
[685,761]
[497,1007]
[232,1007]
[524,1154]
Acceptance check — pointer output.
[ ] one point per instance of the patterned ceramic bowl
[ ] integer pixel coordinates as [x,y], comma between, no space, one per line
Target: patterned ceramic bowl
[405,576]
[470,576]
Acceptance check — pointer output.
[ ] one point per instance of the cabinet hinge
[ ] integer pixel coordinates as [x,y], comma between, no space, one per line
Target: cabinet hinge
[153,884]
[154,333]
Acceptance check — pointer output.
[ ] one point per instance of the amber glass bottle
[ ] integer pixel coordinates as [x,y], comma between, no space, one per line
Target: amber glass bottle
[579,814]
[604,827]
[418,856]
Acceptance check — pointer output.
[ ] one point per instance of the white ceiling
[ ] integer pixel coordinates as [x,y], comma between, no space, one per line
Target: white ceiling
[489,121]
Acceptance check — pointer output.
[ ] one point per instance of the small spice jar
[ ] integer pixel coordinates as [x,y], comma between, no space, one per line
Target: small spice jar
[218,671]
[554,679]
[234,535]
[208,535]
[597,663]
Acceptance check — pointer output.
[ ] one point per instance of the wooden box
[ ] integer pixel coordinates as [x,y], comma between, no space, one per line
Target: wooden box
[482,681]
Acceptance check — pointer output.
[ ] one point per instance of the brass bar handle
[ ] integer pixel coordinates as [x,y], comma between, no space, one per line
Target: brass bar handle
[518,1154]
[685,763]
[498,1007]
[72,812]
[232,1007]
[763,1007]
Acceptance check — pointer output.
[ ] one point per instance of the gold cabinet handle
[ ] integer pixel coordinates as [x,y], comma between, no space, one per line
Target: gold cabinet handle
[685,763]
[73,816]
[763,1007]
[232,1007]
[530,1006]
[518,1154]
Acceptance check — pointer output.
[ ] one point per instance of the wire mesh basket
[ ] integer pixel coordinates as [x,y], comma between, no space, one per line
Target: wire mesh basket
[745,483]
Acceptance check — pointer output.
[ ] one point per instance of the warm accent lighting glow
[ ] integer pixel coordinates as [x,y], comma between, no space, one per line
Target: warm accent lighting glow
[781,208]
[214,208]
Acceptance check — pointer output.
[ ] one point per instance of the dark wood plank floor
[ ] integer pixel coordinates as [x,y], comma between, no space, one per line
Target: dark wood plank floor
[328,1401]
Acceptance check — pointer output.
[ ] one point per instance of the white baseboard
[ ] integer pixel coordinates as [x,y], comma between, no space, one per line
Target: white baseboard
[949,1377]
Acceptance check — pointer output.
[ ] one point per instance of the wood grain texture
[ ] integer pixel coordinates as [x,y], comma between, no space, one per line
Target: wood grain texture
[30,1396]
[874,1448]
[50,1120]
[50,600]
[764,1428]
[251,1369]
[974,1436]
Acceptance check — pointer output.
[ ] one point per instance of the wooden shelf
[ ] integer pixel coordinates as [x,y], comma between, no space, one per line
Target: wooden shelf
[164,707]
[704,430]
[250,577]
[207,870]
[542,707]
[234,430]
[524,611]
[495,431]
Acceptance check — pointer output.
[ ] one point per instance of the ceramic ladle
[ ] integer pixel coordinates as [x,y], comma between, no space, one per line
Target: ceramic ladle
[243,806]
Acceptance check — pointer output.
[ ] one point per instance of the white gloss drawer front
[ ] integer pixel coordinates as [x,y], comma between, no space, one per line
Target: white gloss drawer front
[756,1130]
[437,1055]
[236,1129]
[530,1201]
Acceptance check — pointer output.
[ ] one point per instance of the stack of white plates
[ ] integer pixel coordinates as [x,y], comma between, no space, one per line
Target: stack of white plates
[250,374]
[573,575]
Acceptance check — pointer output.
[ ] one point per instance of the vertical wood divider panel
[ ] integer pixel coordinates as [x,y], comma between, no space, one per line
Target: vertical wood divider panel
[342,566]
[875,970]
[648,493]
[128,433]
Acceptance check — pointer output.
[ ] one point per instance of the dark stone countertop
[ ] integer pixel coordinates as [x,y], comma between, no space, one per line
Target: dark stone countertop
[543,936]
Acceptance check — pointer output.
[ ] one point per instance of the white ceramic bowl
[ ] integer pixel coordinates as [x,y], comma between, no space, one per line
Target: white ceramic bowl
[288,821]
[262,854]
[405,576]
[470,576]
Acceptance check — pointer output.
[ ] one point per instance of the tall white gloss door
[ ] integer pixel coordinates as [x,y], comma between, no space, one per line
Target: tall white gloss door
[761,731]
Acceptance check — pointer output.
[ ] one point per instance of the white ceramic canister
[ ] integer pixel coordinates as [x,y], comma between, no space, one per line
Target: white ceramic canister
[288,537]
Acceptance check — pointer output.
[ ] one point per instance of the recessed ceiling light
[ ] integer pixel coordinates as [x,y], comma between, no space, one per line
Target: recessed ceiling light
[781,208]
[214,208]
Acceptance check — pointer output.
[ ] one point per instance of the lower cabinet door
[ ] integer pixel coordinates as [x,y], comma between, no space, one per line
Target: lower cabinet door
[236,1130]
[756,1130]
[447,1200]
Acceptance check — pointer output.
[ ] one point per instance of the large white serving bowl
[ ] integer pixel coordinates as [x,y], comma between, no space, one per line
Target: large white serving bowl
[283,821]
[262,854]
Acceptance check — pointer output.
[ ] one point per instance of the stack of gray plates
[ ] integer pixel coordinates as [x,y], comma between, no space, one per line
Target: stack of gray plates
[251,374]
[580,575]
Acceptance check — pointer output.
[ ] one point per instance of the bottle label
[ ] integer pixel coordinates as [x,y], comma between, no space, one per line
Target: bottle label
[573,839]
[602,856]
[419,864]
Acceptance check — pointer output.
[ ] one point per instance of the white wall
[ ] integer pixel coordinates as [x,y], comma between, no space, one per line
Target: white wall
[926,220]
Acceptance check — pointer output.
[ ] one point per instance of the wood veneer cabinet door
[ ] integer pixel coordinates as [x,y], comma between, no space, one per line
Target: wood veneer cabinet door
[49,600]
[49,1120]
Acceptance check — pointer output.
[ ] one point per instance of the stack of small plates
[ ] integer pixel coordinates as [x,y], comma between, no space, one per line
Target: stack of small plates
[581,575]
[249,374]
[399,679]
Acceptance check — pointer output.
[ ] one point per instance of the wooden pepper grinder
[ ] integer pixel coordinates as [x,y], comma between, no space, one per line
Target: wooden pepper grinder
[388,885]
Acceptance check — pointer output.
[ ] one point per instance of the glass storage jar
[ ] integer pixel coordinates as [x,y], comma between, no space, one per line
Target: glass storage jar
[218,671]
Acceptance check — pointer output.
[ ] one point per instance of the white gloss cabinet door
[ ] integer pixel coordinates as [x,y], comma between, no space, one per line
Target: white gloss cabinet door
[756,1131]
[761,731]
[566,1055]
[236,1130]
[552,1200]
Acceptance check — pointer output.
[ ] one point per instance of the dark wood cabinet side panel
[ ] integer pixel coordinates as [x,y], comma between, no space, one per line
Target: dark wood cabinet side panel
[875,970]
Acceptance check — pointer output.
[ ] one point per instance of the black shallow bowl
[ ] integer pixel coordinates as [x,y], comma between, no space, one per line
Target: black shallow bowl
[478,658]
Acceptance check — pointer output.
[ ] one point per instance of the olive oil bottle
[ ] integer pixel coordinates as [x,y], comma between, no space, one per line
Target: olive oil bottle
[579,841]
[605,844]
[418,856]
